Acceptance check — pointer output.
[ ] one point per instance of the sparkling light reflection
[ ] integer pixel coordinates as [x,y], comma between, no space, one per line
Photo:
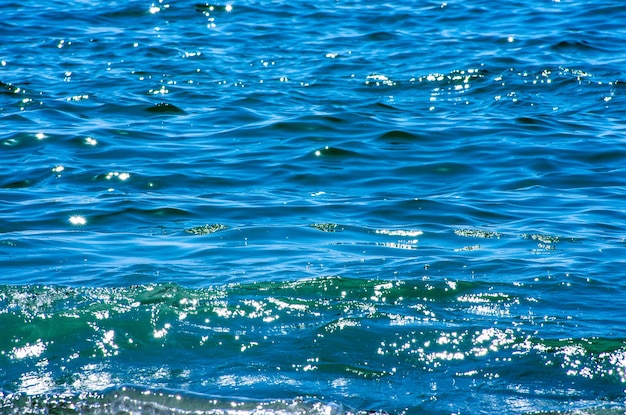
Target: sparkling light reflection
[78,220]
[93,377]
[378,79]
[36,383]
[29,350]
[122,176]
[399,232]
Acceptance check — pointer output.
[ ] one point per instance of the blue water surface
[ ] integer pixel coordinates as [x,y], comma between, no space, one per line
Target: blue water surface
[312,207]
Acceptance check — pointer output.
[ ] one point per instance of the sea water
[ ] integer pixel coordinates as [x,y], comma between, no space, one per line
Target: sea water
[332,207]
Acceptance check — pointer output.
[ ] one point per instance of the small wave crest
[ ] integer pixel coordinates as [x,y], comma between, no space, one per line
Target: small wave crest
[133,400]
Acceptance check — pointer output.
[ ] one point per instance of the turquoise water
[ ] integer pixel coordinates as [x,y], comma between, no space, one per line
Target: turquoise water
[337,207]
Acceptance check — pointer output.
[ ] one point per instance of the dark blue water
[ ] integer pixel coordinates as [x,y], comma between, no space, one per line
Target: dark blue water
[334,207]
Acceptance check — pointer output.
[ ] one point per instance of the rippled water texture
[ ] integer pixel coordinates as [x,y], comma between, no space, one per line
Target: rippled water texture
[330,207]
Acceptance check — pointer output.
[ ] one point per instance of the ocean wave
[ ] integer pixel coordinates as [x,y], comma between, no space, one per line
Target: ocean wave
[415,208]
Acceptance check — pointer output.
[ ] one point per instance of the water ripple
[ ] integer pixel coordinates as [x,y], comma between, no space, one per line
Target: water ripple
[343,202]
